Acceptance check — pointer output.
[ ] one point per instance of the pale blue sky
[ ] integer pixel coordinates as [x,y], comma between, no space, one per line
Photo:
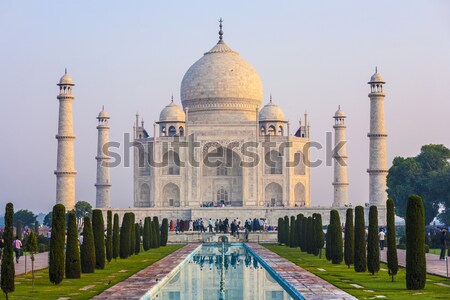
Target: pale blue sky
[131,56]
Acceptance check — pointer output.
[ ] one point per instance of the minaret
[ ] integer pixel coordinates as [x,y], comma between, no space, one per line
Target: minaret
[65,169]
[377,135]
[103,184]
[340,183]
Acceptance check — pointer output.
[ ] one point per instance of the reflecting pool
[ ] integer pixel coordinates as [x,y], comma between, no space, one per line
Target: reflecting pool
[222,271]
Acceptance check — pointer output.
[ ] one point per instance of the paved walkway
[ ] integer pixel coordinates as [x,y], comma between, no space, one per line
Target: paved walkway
[40,262]
[137,285]
[309,285]
[434,265]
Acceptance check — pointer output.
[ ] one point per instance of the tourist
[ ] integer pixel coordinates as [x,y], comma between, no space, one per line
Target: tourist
[1,246]
[17,248]
[172,227]
[443,244]
[191,225]
[210,225]
[381,236]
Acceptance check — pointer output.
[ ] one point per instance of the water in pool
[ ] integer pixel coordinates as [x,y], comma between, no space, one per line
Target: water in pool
[222,271]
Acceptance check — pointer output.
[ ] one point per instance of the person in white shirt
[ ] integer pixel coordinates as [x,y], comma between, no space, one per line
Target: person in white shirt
[381,236]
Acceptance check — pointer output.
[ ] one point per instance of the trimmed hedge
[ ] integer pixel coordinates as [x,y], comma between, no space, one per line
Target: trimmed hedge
[292,233]
[146,234]
[373,249]
[164,232]
[125,232]
[115,238]
[158,231]
[318,235]
[349,249]
[109,243]
[392,259]
[360,261]
[335,238]
[87,248]
[287,237]
[280,233]
[7,267]
[98,227]
[73,263]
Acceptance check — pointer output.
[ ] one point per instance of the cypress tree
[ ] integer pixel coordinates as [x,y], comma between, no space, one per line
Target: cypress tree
[152,239]
[109,243]
[98,227]
[7,269]
[280,236]
[87,248]
[137,240]
[309,235]
[155,234]
[328,244]
[36,228]
[293,235]
[336,249]
[415,244]
[287,237]
[319,234]
[392,260]
[73,263]
[349,250]
[125,236]
[145,235]
[158,231]
[298,225]
[19,230]
[164,232]
[304,233]
[373,248]
[360,241]
[57,239]
[132,234]
[115,239]
[32,246]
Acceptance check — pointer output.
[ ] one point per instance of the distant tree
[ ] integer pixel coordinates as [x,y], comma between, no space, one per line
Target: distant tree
[7,268]
[373,249]
[164,232]
[19,230]
[36,228]
[57,241]
[280,235]
[116,240]
[336,251]
[73,263]
[392,259]
[26,217]
[98,228]
[287,237]
[158,231]
[293,234]
[304,235]
[426,175]
[360,241]
[87,248]
[32,247]
[109,242]
[125,232]
[349,250]
[415,244]
[319,236]
[137,232]
[82,209]
[298,225]
[48,220]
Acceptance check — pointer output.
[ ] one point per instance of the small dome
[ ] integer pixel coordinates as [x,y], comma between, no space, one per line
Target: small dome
[103,114]
[65,79]
[271,112]
[172,113]
[339,113]
[376,78]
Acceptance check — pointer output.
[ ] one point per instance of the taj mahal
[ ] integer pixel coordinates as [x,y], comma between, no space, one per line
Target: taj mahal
[226,151]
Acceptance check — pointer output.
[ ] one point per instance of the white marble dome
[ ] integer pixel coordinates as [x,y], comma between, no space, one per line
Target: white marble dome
[221,80]
[65,79]
[103,114]
[376,78]
[172,113]
[271,112]
[339,113]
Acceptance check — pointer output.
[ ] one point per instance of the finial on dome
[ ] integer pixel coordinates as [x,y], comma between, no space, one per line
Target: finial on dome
[339,106]
[172,98]
[65,71]
[220,31]
[103,107]
[270,98]
[376,69]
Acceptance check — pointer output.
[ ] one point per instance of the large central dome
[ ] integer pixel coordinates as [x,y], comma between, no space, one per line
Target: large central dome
[221,82]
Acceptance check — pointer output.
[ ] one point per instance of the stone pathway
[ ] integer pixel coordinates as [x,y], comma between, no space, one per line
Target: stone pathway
[40,262]
[140,283]
[434,265]
[309,285]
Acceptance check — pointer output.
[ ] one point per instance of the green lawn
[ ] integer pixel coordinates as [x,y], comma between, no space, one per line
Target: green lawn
[373,285]
[99,281]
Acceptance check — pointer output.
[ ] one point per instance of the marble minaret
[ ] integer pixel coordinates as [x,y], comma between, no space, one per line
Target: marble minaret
[377,135]
[103,184]
[340,183]
[65,169]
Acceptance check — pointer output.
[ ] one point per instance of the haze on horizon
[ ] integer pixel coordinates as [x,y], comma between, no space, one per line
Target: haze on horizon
[132,56]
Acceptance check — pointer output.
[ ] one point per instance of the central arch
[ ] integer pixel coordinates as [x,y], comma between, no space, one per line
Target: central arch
[273,195]
[171,195]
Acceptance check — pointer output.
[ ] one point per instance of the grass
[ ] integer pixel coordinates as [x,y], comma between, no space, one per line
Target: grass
[99,281]
[374,285]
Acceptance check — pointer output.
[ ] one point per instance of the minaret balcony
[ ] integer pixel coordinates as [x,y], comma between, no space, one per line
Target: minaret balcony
[377,135]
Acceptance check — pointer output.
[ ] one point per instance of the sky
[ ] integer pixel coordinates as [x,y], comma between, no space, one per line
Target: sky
[131,56]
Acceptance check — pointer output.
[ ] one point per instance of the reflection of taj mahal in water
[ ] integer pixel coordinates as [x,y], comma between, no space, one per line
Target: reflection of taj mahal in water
[222,97]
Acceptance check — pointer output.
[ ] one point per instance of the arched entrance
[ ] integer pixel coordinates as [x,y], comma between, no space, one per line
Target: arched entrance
[299,194]
[273,195]
[171,195]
